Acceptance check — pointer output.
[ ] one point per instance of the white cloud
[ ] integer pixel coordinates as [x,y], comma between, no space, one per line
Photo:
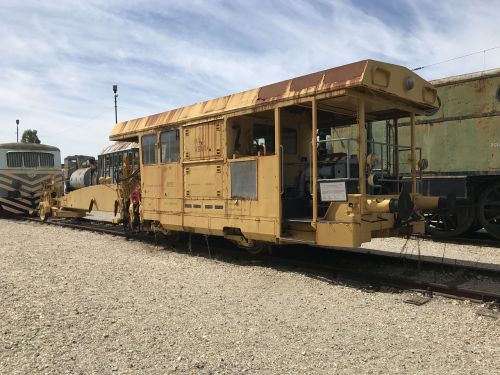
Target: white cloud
[59,59]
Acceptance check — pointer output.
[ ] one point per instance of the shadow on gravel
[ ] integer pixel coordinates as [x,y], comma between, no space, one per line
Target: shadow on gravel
[367,272]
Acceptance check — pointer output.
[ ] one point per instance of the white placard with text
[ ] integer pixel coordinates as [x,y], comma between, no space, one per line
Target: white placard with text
[333,191]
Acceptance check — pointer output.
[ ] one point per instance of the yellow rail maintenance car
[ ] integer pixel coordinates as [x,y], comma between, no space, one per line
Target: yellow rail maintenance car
[251,167]
[254,167]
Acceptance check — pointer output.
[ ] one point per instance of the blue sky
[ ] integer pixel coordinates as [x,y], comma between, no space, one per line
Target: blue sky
[59,59]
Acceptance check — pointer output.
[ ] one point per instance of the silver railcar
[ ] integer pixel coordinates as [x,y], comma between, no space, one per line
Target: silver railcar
[110,159]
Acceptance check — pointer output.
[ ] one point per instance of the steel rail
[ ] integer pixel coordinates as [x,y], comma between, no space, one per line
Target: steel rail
[378,279]
[476,239]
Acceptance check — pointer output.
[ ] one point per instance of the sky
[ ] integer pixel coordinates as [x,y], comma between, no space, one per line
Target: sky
[60,58]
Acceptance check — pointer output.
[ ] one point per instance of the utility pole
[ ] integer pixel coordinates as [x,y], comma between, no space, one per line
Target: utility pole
[17,130]
[115,89]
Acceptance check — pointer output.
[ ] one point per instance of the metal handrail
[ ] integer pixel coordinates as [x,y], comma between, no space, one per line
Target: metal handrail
[338,179]
[383,167]
[282,155]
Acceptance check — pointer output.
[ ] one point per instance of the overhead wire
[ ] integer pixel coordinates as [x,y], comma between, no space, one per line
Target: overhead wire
[457,58]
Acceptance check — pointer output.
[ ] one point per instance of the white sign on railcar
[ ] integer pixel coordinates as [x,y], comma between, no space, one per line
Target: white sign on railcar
[333,191]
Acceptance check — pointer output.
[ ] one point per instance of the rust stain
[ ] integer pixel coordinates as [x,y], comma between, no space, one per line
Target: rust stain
[342,74]
[152,120]
[309,80]
[273,91]
[346,76]
[170,115]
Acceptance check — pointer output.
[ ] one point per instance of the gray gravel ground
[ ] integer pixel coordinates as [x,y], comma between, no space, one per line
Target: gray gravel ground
[471,255]
[78,302]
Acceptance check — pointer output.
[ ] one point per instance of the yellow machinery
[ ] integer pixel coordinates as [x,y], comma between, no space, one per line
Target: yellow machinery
[106,196]
[256,168]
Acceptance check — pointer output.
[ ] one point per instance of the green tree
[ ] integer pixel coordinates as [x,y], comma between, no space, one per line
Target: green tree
[30,136]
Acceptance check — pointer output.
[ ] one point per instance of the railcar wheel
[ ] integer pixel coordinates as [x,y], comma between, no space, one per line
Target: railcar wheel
[259,248]
[441,224]
[253,247]
[489,210]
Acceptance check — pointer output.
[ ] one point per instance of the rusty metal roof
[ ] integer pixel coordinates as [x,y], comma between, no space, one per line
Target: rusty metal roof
[362,74]
[119,146]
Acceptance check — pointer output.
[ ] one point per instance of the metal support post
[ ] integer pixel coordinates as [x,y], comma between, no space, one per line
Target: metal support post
[314,162]
[413,155]
[362,147]
[396,154]
[279,167]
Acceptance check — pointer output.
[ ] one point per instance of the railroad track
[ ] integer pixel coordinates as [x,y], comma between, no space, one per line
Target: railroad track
[368,271]
[475,239]
[97,226]
[427,277]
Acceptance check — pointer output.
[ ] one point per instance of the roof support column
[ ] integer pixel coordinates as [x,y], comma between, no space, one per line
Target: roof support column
[314,159]
[413,155]
[279,167]
[396,153]
[362,146]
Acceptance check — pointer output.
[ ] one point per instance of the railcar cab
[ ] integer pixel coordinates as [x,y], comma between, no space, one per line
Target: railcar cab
[337,186]
[337,155]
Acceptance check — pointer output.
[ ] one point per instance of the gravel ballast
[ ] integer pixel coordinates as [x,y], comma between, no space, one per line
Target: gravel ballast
[80,302]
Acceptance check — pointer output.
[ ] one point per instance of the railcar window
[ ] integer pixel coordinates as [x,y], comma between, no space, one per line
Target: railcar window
[31,160]
[107,169]
[263,137]
[46,160]
[170,146]
[15,159]
[136,159]
[148,144]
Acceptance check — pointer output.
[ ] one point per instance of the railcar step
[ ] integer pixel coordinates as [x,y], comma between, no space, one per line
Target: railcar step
[299,220]
[296,240]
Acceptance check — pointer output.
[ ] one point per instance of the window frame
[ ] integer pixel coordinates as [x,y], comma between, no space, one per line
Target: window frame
[30,156]
[154,144]
[177,140]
